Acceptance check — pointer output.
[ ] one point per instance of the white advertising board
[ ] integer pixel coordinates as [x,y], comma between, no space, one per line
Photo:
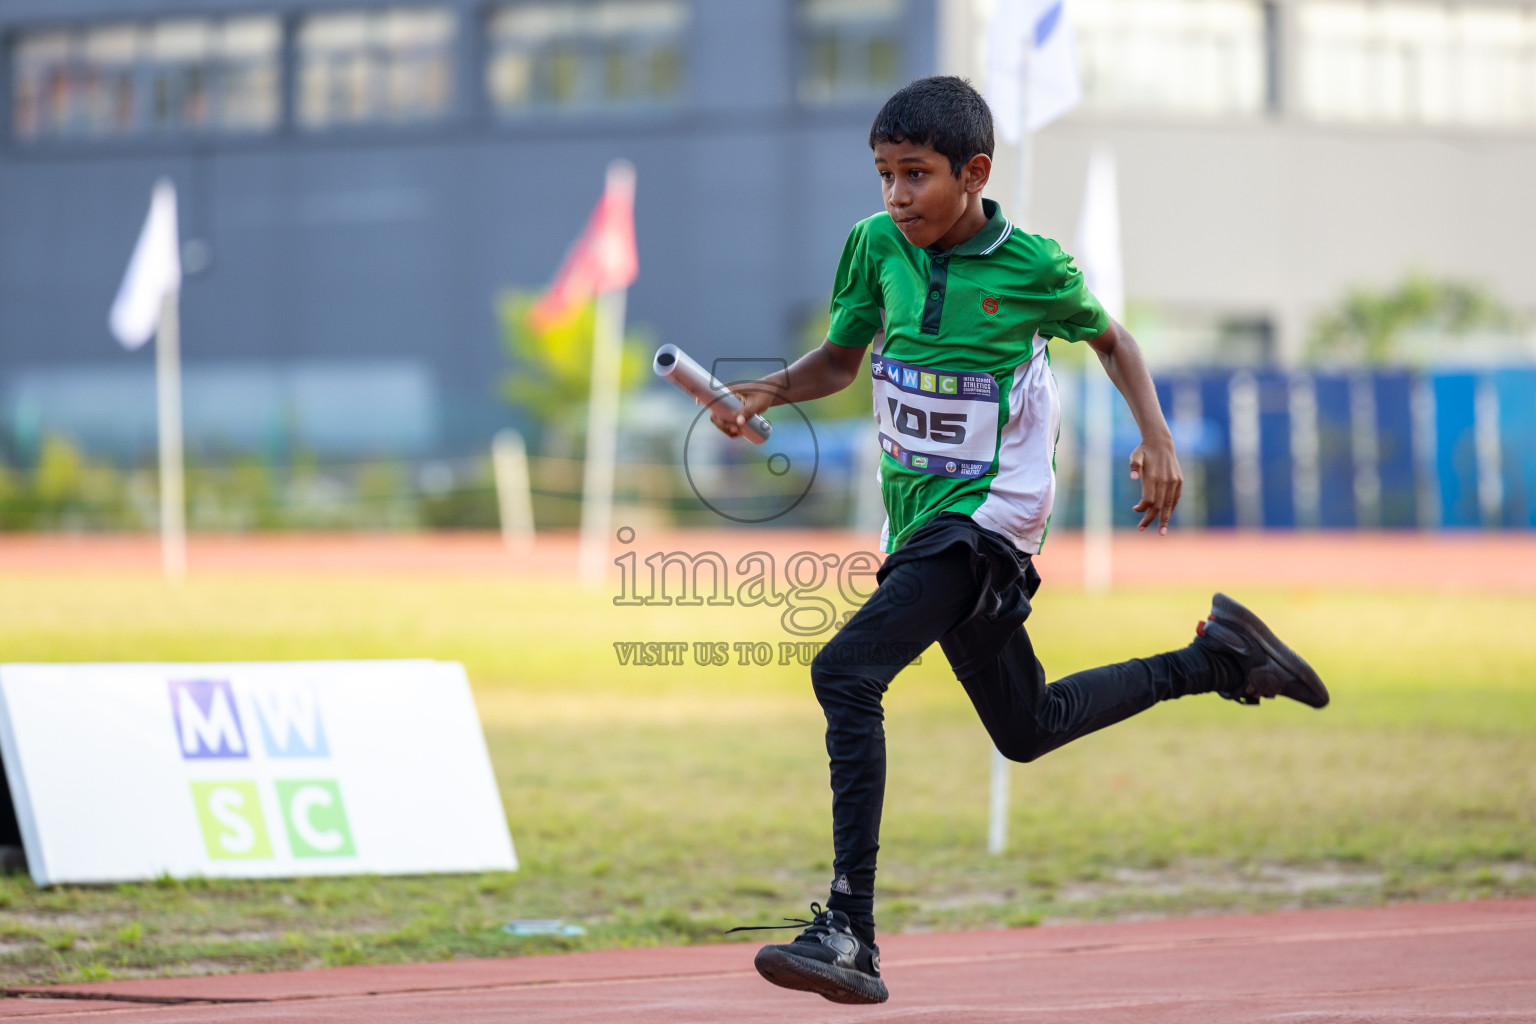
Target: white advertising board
[123,772]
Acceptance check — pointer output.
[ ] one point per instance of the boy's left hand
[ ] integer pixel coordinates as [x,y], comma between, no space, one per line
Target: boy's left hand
[1157,467]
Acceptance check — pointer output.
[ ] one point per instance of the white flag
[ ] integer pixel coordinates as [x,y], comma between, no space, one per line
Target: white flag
[1033,33]
[1098,235]
[153,271]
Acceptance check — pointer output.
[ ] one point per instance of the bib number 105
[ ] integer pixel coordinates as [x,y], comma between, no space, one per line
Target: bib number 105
[943,427]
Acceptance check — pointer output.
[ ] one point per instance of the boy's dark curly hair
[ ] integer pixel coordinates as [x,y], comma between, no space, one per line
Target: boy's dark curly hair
[944,112]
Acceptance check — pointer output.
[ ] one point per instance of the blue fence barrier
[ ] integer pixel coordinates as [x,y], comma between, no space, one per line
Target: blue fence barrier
[1384,449]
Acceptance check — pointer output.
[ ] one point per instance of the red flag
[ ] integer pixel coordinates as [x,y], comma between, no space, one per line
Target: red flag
[603,258]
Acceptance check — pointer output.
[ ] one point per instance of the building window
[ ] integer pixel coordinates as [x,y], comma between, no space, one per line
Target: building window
[185,74]
[850,50]
[1419,63]
[375,66]
[1174,56]
[562,56]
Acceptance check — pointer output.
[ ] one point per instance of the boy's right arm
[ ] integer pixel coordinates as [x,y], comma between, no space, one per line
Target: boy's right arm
[820,372]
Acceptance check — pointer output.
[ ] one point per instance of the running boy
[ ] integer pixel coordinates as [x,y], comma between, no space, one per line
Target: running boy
[968,419]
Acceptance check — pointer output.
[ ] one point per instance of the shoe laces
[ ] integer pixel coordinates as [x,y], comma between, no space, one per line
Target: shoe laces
[822,923]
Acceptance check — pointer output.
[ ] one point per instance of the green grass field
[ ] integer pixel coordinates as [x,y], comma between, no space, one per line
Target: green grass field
[659,804]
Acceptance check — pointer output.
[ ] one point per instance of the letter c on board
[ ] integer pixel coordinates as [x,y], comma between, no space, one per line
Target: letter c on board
[305,800]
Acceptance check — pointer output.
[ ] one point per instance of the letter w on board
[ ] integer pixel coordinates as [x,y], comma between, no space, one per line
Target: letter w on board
[209,724]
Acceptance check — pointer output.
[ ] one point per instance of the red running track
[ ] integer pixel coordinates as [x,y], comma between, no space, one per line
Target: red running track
[1461,962]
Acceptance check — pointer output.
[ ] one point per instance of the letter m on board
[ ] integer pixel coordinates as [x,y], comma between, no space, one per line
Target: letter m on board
[207,721]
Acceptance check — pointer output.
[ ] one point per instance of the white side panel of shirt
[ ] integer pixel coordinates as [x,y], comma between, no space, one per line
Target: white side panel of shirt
[1018,504]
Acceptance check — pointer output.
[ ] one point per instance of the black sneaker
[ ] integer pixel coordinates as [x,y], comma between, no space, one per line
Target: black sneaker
[825,958]
[1271,669]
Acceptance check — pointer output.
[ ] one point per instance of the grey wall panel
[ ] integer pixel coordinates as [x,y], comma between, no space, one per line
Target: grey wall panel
[839,188]
[389,247]
[1283,217]
[742,62]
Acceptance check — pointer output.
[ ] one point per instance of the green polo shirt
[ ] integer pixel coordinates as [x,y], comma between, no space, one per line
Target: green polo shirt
[952,320]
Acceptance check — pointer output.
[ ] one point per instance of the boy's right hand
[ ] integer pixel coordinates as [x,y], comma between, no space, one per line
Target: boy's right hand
[756,398]
[820,372]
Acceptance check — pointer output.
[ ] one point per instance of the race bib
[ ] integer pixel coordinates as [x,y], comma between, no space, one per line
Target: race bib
[936,421]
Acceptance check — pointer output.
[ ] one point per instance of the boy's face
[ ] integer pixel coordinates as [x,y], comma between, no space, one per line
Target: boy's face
[928,203]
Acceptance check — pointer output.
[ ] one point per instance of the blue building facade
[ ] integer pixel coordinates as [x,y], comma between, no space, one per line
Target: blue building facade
[358,184]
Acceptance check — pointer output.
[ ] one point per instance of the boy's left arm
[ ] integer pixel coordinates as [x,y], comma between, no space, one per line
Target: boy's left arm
[1154,462]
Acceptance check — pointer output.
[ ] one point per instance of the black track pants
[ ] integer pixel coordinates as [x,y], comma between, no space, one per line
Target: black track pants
[969,589]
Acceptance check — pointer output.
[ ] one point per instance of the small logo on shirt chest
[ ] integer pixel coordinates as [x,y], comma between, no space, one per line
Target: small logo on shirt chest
[989,305]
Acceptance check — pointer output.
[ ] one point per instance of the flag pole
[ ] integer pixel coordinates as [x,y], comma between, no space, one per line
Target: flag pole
[173,523]
[603,397]
[1002,770]
[1098,483]
[600,266]
[602,437]
[1099,248]
[147,306]
[1025,36]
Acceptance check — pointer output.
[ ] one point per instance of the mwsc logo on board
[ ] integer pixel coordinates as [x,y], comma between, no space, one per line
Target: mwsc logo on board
[210,728]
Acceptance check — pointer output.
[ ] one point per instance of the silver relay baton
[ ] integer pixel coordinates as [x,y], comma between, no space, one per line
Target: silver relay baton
[673,363]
